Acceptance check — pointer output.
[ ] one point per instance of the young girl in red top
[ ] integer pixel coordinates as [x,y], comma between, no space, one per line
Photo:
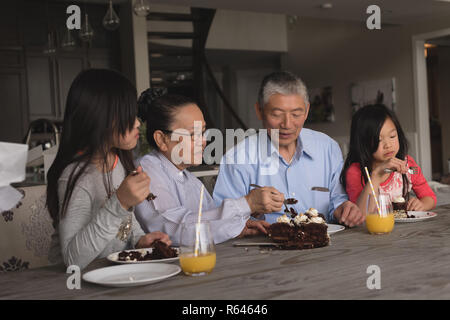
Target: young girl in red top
[377,142]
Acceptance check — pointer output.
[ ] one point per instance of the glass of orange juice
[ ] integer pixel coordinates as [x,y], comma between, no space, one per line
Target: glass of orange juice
[197,252]
[379,221]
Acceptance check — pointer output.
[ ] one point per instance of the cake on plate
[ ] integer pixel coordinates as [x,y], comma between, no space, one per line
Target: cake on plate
[399,205]
[160,250]
[300,231]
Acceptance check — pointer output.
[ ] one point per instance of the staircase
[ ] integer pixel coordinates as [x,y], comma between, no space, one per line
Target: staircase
[177,68]
[181,69]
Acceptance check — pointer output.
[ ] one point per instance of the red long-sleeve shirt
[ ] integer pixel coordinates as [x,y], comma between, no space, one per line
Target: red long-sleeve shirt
[393,185]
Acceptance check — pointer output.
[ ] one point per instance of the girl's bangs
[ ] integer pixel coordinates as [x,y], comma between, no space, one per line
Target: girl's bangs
[125,111]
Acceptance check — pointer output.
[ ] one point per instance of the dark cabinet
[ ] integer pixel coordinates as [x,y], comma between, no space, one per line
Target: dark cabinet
[13,90]
[13,111]
[41,84]
[49,78]
[34,85]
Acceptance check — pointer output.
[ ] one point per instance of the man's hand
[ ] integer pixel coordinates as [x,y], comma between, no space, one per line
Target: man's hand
[265,200]
[254,227]
[147,240]
[349,214]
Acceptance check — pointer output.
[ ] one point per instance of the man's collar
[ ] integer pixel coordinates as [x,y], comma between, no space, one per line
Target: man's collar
[304,144]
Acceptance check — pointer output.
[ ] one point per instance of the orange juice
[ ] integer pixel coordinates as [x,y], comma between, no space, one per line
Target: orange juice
[203,263]
[380,224]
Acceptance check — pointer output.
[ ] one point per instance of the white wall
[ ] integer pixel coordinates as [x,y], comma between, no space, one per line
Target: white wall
[337,53]
[242,30]
[134,49]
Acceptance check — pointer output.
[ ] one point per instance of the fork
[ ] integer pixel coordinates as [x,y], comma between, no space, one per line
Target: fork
[284,202]
[411,170]
[151,196]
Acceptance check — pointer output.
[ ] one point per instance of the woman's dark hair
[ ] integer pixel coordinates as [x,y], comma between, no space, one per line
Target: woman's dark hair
[101,105]
[365,138]
[157,109]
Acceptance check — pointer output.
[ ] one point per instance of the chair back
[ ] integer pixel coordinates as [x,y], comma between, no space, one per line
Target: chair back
[25,232]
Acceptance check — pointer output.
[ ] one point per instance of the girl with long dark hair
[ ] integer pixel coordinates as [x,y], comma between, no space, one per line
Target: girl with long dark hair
[92,189]
[377,142]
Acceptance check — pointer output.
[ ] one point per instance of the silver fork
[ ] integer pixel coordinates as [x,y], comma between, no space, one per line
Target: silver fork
[151,196]
[411,170]
[284,202]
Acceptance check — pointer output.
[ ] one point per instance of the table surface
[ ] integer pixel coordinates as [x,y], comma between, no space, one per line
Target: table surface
[414,262]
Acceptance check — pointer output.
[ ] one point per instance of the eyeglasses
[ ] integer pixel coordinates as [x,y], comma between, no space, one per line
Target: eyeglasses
[194,136]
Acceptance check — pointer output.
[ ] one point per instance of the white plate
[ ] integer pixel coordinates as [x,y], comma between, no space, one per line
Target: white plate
[419,216]
[114,257]
[333,228]
[131,275]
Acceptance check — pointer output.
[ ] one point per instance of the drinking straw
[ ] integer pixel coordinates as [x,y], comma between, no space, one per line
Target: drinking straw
[197,236]
[373,190]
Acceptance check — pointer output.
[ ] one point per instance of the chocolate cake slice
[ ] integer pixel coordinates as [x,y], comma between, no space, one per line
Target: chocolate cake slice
[162,251]
[291,201]
[130,256]
[305,231]
[399,204]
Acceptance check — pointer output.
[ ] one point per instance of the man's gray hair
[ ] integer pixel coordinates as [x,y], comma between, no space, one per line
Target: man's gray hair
[282,82]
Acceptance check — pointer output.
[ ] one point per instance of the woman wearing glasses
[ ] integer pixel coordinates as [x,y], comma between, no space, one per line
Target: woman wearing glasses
[175,130]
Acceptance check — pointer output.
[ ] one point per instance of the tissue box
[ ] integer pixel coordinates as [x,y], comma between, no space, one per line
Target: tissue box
[13,159]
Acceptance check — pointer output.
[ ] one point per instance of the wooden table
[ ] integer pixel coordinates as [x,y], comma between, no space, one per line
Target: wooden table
[414,261]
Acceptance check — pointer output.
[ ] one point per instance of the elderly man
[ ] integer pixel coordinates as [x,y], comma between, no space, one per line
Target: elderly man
[305,165]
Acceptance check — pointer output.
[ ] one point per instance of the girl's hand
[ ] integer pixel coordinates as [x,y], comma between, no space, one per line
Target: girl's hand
[393,163]
[415,204]
[147,240]
[134,189]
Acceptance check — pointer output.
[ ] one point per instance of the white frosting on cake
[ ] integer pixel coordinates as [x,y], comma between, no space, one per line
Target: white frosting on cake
[399,200]
[313,212]
[312,216]
[284,219]
[317,220]
[301,218]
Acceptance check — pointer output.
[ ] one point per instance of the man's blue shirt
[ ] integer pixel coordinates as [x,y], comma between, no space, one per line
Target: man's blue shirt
[317,162]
